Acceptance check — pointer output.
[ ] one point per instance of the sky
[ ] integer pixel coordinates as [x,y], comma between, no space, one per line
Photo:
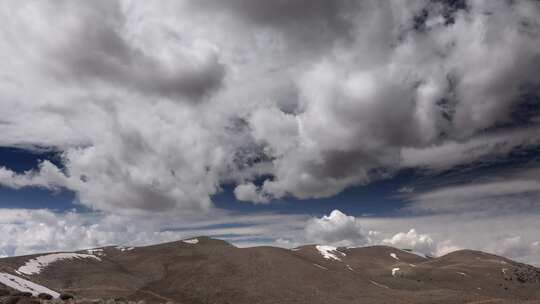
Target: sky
[414,124]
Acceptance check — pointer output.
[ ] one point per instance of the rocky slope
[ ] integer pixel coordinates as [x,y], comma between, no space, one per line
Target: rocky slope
[205,270]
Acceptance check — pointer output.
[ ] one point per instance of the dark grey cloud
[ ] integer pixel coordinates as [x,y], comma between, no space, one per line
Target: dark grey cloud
[307,25]
[280,12]
[97,48]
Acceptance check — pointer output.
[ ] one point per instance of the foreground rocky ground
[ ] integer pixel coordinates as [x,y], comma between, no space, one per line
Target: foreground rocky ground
[205,270]
[11,296]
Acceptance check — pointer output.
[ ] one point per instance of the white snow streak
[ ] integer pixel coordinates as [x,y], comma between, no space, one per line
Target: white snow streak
[122,248]
[23,285]
[422,255]
[322,267]
[329,252]
[394,271]
[98,252]
[379,285]
[34,266]
[393,255]
[192,241]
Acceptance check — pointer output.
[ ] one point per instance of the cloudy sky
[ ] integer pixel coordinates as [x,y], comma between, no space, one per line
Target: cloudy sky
[414,124]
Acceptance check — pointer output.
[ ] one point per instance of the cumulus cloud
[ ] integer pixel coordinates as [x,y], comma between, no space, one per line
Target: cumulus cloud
[434,235]
[421,243]
[340,229]
[343,137]
[412,240]
[155,108]
[337,229]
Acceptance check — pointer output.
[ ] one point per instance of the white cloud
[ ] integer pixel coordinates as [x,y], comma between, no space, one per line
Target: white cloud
[477,149]
[32,231]
[512,235]
[478,190]
[412,240]
[28,231]
[47,176]
[336,229]
[516,246]
[501,192]
[342,230]
[249,192]
[422,243]
[155,107]
[353,108]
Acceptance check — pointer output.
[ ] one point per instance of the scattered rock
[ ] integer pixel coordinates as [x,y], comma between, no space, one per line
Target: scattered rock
[65,296]
[22,294]
[28,301]
[45,296]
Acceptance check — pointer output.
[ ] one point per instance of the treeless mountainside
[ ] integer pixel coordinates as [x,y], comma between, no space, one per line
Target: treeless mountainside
[205,270]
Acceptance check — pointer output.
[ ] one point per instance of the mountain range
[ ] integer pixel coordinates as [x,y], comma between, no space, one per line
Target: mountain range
[206,270]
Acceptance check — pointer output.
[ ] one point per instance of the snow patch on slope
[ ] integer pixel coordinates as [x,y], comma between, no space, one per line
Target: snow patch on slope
[379,285]
[329,252]
[97,251]
[322,267]
[36,265]
[394,271]
[23,285]
[122,248]
[393,255]
[423,255]
[191,241]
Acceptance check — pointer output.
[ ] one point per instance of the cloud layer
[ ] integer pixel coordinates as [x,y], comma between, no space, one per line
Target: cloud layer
[28,231]
[155,108]
[33,231]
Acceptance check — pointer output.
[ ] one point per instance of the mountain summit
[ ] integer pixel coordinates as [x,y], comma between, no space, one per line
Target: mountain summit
[206,270]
